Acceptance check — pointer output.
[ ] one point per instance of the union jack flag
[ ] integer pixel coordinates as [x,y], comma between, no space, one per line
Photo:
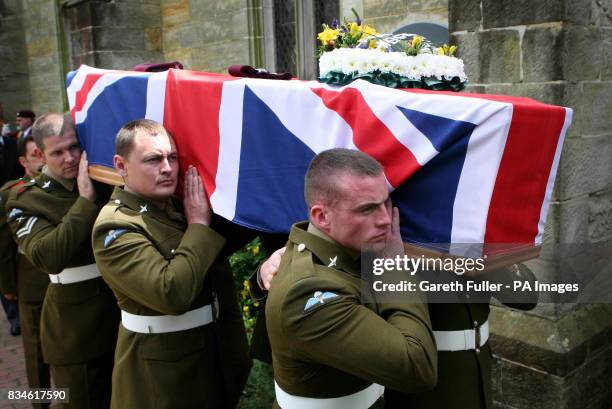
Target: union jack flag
[463,168]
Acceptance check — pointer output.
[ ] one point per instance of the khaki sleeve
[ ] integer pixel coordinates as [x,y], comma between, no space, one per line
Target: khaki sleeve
[8,254]
[51,247]
[131,264]
[395,349]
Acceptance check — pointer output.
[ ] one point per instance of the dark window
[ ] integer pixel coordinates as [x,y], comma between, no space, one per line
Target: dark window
[435,33]
[284,33]
[324,12]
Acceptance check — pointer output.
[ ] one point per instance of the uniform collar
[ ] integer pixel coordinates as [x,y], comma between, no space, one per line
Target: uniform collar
[147,207]
[50,183]
[325,249]
[67,184]
[312,229]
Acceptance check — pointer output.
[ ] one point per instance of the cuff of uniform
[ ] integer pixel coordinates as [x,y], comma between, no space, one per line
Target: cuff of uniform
[200,232]
[256,288]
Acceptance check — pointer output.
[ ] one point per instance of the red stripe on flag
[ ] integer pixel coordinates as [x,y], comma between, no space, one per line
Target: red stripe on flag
[191,114]
[522,178]
[81,95]
[370,134]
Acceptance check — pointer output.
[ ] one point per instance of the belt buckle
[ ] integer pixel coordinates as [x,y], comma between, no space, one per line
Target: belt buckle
[477,340]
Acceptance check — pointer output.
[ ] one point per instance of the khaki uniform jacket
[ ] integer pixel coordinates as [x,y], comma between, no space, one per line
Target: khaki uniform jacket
[464,377]
[326,343]
[158,265]
[52,227]
[18,275]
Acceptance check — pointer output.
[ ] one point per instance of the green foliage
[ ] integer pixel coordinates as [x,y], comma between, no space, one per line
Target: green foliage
[243,264]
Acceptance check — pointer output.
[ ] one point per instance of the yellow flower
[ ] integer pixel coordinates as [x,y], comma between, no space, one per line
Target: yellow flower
[254,250]
[372,44]
[452,49]
[328,35]
[440,51]
[369,30]
[416,41]
[256,304]
[245,308]
[354,29]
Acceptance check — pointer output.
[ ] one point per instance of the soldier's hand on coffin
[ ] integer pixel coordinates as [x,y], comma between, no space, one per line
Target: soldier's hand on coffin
[197,209]
[86,188]
[394,245]
[269,268]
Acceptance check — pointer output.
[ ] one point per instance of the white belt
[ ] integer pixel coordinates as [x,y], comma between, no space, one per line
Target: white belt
[462,340]
[159,324]
[358,400]
[75,274]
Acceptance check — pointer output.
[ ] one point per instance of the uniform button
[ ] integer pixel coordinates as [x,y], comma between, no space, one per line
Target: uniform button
[467,296]
[475,324]
[172,251]
[301,247]
[117,201]
[477,350]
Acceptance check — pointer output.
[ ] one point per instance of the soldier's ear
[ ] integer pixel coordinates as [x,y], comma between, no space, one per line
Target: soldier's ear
[119,163]
[40,156]
[320,217]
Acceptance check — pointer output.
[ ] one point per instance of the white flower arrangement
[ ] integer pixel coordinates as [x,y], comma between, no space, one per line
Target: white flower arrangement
[354,50]
[360,61]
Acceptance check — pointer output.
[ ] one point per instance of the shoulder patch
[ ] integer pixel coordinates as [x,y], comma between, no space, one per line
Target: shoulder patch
[112,235]
[318,298]
[15,212]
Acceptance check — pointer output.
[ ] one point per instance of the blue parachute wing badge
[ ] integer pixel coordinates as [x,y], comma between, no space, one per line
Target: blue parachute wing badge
[112,235]
[14,213]
[318,298]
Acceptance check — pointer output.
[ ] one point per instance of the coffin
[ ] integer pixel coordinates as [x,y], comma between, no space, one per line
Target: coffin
[471,174]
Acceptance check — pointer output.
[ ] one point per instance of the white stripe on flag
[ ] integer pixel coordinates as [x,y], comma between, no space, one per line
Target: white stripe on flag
[477,180]
[156,96]
[551,178]
[77,82]
[108,79]
[223,199]
[317,126]
[383,103]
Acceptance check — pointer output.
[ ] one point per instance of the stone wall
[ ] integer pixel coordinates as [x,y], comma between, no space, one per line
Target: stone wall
[14,75]
[113,34]
[557,356]
[43,56]
[389,15]
[206,35]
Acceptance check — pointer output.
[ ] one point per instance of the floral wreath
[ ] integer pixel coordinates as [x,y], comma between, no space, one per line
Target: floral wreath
[354,50]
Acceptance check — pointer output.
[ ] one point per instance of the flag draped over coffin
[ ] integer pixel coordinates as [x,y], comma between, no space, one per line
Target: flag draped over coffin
[463,168]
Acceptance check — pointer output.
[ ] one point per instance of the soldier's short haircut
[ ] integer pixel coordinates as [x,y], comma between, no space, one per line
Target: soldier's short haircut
[124,143]
[22,145]
[323,174]
[51,124]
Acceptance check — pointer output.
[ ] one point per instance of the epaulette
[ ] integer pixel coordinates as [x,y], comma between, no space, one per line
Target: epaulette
[11,184]
[25,186]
